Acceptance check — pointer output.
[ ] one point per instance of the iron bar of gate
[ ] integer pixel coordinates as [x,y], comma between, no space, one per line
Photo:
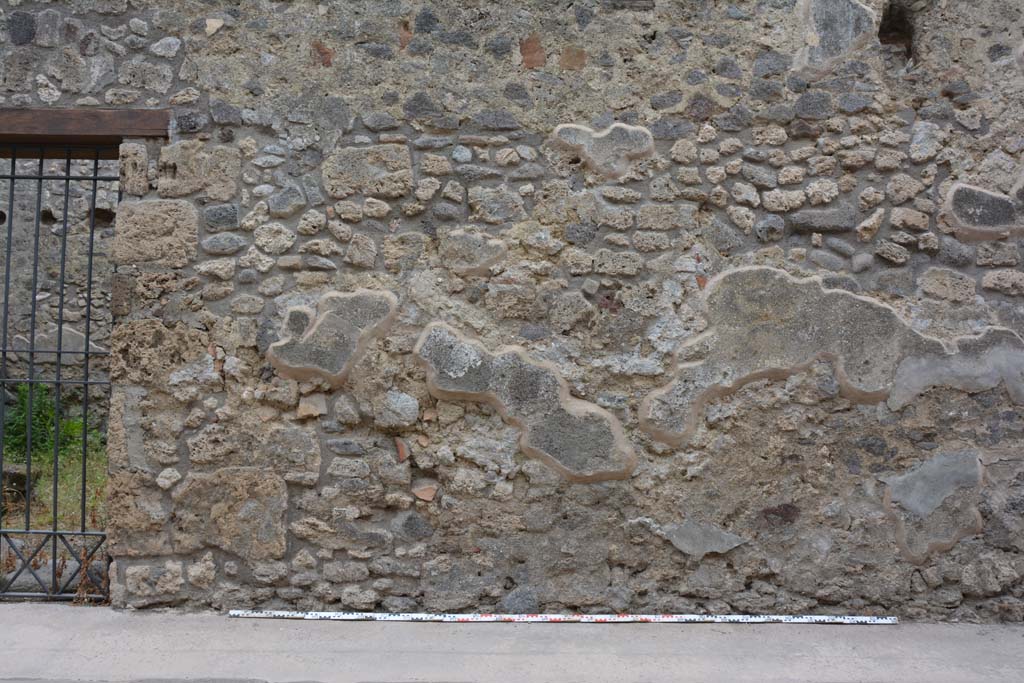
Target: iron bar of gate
[77,382]
[89,542]
[88,327]
[60,365]
[3,354]
[32,345]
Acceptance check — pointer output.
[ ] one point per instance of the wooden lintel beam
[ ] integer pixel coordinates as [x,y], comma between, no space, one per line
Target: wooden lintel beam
[81,126]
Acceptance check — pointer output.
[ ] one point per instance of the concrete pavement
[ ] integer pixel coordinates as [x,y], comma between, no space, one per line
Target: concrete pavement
[65,643]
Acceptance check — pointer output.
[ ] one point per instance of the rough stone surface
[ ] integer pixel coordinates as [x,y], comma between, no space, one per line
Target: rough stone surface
[239,510]
[758,223]
[376,171]
[160,232]
[835,28]
[872,347]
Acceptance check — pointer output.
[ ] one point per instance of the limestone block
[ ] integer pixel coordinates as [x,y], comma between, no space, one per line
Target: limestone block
[223,167]
[842,218]
[763,323]
[374,171]
[467,251]
[870,226]
[202,572]
[238,509]
[145,352]
[164,232]
[495,204]
[1009,282]
[327,342]
[943,283]
[926,141]
[576,438]
[134,168]
[609,152]
[293,452]
[154,583]
[395,409]
[137,516]
[187,167]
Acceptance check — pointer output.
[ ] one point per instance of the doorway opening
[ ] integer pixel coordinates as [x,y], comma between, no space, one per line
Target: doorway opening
[54,325]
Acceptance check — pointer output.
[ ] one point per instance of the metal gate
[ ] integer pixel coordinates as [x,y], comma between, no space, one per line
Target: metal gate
[56,206]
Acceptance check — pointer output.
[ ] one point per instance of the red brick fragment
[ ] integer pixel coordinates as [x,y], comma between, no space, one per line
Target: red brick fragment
[573,58]
[532,51]
[322,55]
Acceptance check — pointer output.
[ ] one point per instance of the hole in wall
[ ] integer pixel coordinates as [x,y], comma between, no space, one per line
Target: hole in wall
[104,217]
[896,31]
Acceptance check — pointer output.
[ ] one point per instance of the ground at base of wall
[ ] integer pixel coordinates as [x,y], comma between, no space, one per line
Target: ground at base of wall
[179,647]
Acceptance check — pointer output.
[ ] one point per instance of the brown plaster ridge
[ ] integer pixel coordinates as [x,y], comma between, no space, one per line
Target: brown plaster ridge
[695,414]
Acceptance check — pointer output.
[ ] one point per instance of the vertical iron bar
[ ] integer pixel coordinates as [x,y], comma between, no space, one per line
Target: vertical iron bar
[32,347]
[3,340]
[60,363]
[88,326]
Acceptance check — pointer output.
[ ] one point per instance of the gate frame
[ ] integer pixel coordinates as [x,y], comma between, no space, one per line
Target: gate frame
[54,133]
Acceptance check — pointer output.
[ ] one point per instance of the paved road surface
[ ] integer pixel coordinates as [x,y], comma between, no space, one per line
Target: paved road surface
[40,642]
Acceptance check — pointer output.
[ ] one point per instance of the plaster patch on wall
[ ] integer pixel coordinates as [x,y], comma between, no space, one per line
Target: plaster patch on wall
[608,153]
[694,538]
[328,342]
[576,438]
[933,505]
[982,362]
[766,324]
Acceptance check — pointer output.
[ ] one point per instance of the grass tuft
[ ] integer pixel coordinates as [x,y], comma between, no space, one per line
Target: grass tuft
[71,438]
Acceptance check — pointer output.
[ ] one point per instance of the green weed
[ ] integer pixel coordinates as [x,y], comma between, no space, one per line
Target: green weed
[70,440]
